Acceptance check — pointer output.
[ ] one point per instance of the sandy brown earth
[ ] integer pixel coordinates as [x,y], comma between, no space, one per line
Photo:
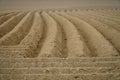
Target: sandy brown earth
[60,45]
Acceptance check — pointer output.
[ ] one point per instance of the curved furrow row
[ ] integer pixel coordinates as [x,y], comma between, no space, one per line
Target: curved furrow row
[110,33]
[110,14]
[104,15]
[110,29]
[6,17]
[51,46]
[75,44]
[107,22]
[43,36]
[32,39]
[62,40]
[104,20]
[19,32]
[10,24]
[97,43]
[114,19]
[3,14]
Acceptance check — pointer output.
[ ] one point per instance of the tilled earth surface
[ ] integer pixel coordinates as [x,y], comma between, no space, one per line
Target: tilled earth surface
[60,45]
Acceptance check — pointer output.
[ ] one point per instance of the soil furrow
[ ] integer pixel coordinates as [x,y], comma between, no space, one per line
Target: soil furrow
[95,40]
[63,42]
[76,47]
[19,32]
[32,39]
[110,34]
[51,43]
[6,17]
[10,24]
